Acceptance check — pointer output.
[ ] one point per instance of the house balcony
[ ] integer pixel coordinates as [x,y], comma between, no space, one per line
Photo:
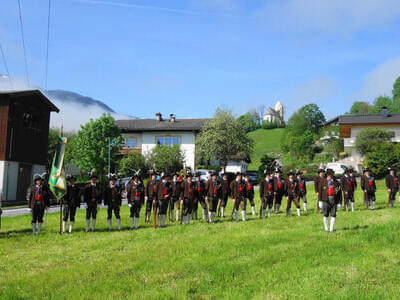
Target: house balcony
[126,151]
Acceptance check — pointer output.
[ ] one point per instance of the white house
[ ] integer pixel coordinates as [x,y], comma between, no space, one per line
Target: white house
[275,114]
[142,135]
[351,125]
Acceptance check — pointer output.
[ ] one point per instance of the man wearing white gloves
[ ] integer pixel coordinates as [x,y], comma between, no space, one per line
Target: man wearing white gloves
[135,194]
[328,190]
[92,201]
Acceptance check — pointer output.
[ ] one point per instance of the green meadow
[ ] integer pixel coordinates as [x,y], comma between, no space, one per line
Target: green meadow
[281,257]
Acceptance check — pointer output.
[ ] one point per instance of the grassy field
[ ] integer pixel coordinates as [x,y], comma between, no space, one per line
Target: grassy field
[280,257]
[265,141]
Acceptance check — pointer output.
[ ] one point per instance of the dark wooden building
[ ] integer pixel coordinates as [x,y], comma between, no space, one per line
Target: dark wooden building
[24,131]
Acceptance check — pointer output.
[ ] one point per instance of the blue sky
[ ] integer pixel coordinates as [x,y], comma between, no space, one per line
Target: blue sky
[190,57]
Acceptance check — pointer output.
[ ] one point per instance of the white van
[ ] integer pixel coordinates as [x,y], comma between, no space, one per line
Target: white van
[338,168]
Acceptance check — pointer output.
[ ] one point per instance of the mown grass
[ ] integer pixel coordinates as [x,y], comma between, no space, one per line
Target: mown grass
[265,141]
[280,257]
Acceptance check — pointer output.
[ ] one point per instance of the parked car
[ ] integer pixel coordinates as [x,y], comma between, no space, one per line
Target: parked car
[338,168]
[253,177]
[204,174]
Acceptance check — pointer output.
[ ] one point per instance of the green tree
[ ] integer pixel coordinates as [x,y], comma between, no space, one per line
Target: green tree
[249,121]
[369,138]
[379,103]
[132,162]
[92,144]
[335,146]
[360,107]
[313,116]
[266,162]
[168,159]
[223,137]
[396,90]
[380,157]
[298,138]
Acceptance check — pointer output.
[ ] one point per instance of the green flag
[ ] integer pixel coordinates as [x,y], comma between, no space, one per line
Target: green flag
[57,181]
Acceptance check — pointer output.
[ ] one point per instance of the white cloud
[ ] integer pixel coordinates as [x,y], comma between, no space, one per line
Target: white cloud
[380,81]
[337,16]
[72,116]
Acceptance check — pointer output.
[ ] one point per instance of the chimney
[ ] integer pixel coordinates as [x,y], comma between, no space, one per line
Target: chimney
[384,112]
[158,117]
[172,118]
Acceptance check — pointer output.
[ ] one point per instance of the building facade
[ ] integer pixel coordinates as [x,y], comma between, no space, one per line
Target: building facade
[142,135]
[24,130]
[275,114]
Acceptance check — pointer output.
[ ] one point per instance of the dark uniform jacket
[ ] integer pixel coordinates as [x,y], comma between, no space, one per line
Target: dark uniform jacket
[348,183]
[38,195]
[238,189]
[213,188]
[328,188]
[73,196]
[200,189]
[249,189]
[187,190]
[92,195]
[317,182]
[368,183]
[392,182]
[135,192]
[176,189]
[226,189]
[164,190]
[112,196]
[279,185]
[291,188]
[301,186]
[266,188]
[151,189]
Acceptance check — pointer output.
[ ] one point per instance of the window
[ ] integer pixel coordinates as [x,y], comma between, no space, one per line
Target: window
[392,134]
[168,140]
[131,143]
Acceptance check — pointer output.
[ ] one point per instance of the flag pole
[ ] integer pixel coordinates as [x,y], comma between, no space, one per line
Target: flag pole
[61,200]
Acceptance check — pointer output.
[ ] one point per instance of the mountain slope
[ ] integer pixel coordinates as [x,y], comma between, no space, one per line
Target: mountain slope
[75,98]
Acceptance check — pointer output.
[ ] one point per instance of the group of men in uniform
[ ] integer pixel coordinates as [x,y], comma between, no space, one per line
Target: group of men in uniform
[184,193]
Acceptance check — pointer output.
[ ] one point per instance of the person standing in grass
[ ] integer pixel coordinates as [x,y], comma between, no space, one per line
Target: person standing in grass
[113,202]
[301,189]
[392,184]
[135,193]
[199,193]
[38,197]
[279,189]
[213,188]
[164,192]
[369,187]
[339,195]
[349,184]
[317,181]
[187,197]
[250,193]
[92,200]
[291,192]
[150,194]
[71,202]
[224,194]
[328,191]
[267,193]
[176,191]
[238,192]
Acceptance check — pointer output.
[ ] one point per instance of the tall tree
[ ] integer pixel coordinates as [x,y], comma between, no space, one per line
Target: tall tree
[223,137]
[132,162]
[379,103]
[313,115]
[168,159]
[369,138]
[359,107]
[92,144]
[249,121]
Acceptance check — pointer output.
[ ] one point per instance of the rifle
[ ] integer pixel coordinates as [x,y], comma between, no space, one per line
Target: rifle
[181,206]
[261,207]
[233,209]
[219,208]
[389,194]
[155,215]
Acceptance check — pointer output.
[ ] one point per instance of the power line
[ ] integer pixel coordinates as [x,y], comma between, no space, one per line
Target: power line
[47,46]
[6,66]
[23,42]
